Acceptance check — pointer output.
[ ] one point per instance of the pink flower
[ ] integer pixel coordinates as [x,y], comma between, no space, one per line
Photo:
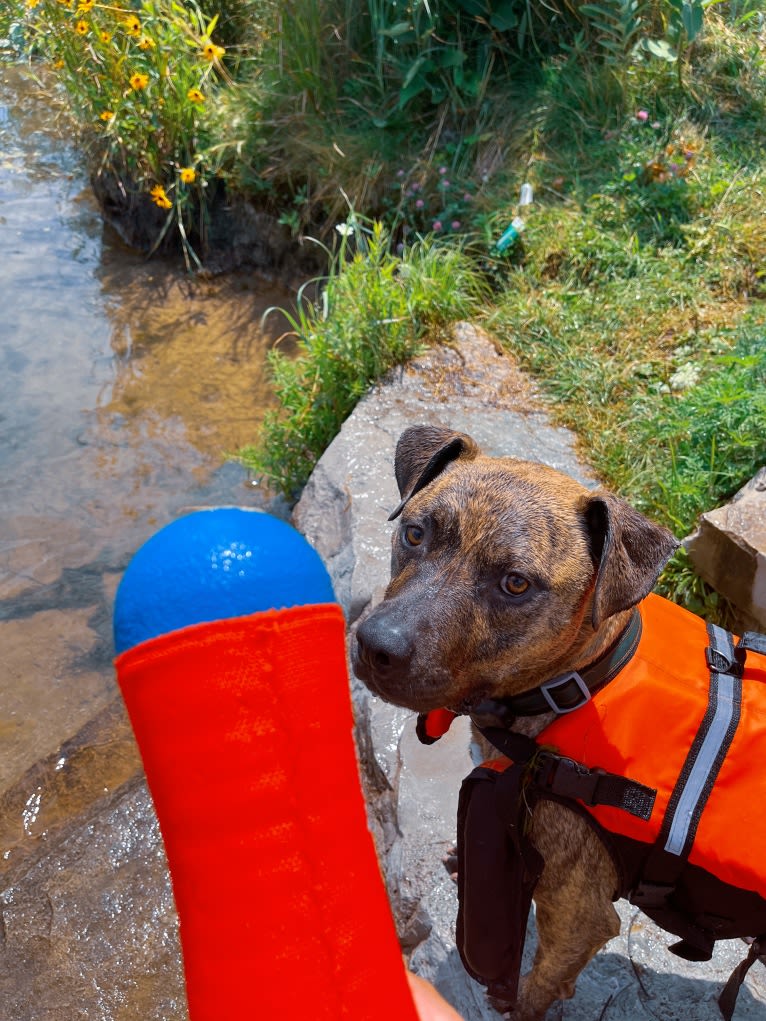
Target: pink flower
[437,226]
[467,197]
[442,170]
[400,173]
[642,115]
[419,204]
[455,225]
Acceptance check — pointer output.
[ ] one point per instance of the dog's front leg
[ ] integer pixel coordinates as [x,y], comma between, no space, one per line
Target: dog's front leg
[575,913]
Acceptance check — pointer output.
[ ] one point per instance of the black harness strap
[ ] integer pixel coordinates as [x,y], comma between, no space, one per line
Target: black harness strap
[556,774]
[753,641]
[498,869]
[727,1001]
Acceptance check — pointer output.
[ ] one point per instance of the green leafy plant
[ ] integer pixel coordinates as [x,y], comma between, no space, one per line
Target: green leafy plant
[684,23]
[702,442]
[617,25]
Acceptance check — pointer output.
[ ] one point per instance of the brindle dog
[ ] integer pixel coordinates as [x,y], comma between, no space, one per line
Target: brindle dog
[506,574]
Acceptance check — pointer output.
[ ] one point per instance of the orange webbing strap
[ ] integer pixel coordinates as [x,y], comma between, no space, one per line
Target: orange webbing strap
[245,729]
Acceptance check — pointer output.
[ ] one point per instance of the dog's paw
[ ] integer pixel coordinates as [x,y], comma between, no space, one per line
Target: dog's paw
[511,1012]
[520,1009]
[450,863]
[503,1007]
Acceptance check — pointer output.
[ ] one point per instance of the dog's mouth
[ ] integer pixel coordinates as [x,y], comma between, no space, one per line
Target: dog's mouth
[404,696]
[421,695]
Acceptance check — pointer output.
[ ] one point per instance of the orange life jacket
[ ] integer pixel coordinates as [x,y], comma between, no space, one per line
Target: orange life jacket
[696,736]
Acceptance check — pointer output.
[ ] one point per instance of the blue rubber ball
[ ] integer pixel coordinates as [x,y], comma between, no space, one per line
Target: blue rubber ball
[214,565]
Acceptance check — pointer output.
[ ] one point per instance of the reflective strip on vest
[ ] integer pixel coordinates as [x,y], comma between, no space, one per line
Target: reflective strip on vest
[705,756]
[697,737]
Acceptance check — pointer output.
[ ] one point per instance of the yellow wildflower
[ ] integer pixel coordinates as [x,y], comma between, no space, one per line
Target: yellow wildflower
[212,52]
[160,198]
[81,27]
[106,37]
[83,6]
[31,4]
[138,81]
[146,43]
[188,175]
[58,64]
[133,25]
[195,96]
[106,115]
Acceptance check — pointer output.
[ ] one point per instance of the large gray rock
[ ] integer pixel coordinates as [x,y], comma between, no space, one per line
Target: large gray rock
[729,551]
[411,789]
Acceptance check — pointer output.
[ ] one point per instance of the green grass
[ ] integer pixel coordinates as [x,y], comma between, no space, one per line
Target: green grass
[636,293]
[375,309]
[637,300]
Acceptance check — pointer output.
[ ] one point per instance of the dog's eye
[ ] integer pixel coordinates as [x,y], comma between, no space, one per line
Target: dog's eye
[413,535]
[514,584]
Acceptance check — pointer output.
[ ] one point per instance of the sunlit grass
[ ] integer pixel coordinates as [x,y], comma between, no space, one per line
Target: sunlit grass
[374,311]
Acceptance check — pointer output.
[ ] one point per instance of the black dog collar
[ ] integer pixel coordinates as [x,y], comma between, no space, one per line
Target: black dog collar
[566,693]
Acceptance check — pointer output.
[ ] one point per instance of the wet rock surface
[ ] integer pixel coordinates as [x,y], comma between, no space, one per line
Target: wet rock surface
[412,789]
[89,928]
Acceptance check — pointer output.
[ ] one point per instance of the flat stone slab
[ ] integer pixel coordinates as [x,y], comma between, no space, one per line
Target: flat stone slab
[411,789]
[729,551]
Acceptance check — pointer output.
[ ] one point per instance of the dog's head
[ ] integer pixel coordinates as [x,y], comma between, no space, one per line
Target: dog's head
[504,573]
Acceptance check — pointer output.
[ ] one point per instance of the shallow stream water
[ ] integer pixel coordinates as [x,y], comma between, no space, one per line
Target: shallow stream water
[124,386]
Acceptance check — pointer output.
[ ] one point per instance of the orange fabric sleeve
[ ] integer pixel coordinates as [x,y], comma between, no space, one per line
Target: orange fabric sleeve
[245,729]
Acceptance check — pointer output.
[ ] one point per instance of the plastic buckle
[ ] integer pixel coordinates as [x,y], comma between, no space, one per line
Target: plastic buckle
[574,780]
[545,767]
[559,682]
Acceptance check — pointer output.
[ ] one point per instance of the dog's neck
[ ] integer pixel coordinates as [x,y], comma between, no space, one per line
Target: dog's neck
[593,644]
[584,654]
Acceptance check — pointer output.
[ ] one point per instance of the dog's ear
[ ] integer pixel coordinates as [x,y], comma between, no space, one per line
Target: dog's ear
[422,453]
[629,550]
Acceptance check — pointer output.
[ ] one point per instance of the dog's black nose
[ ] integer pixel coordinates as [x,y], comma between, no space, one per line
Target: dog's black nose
[384,647]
